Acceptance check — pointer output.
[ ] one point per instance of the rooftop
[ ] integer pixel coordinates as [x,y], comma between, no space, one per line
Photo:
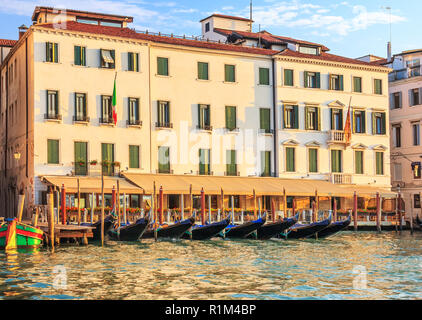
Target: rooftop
[7,43]
[227,17]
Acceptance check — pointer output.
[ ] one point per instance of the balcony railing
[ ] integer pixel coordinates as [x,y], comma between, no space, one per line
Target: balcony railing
[81,118]
[54,116]
[337,136]
[341,178]
[134,123]
[405,73]
[164,125]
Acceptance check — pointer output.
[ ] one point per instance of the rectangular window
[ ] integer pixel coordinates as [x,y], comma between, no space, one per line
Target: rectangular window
[107,59]
[357,84]
[52,52]
[52,104]
[106,110]
[359,121]
[203,71]
[288,77]
[416,134]
[134,157]
[264,76]
[398,172]
[80,107]
[336,161]
[204,162]
[229,73]
[231,118]
[290,160]
[313,160]
[417,201]
[266,163]
[336,82]
[308,50]
[397,136]
[107,158]
[52,151]
[81,158]
[80,56]
[231,164]
[378,123]
[358,162]
[336,119]
[133,61]
[379,156]
[265,120]
[207,27]
[291,117]
[312,79]
[415,97]
[312,118]
[163,114]
[396,101]
[377,86]
[204,119]
[163,160]
[416,169]
[162,66]
[133,112]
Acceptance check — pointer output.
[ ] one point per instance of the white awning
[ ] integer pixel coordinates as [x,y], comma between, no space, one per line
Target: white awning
[106,55]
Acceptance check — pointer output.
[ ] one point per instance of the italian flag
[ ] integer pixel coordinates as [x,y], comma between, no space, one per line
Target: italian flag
[114,102]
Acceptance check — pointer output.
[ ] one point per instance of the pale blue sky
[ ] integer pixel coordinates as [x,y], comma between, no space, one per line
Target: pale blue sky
[350,28]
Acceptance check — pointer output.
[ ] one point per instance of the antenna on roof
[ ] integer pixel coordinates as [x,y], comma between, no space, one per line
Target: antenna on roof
[251,6]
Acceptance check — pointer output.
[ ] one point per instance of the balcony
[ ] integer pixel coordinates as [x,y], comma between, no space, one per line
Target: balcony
[164,125]
[341,178]
[336,137]
[81,119]
[405,73]
[134,123]
[53,117]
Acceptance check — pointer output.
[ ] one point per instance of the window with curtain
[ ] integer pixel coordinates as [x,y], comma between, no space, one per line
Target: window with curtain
[264,76]
[203,71]
[359,121]
[336,82]
[106,110]
[231,165]
[379,123]
[230,73]
[133,111]
[163,114]
[336,161]
[291,117]
[204,162]
[266,163]
[265,119]
[52,151]
[52,52]
[290,159]
[133,61]
[336,119]
[288,77]
[107,58]
[107,158]
[134,157]
[231,118]
[313,160]
[52,104]
[80,56]
[80,107]
[312,79]
[204,119]
[163,160]
[312,120]
[162,66]
[81,158]
[379,157]
[358,162]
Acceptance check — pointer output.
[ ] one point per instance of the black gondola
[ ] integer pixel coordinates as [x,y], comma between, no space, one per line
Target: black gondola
[300,231]
[334,228]
[418,221]
[207,231]
[108,224]
[130,232]
[173,231]
[270,230]
[243,230]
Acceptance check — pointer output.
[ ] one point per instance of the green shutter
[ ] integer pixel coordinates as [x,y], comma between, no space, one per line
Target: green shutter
[130,61]
[318,118]
[231,118]
[202,70]
[290,159]
[266,163]
[306,84]
[56,53]
[107,154]
[288,77]
[313,160]
[383,123]
[134,157]
[83,57]
[336,161]
[81,159]
[78,61]
[332,119]
[380,163]
[164,160]
[231,163]
[363,121]
[162,64]
[296,116]
[341,81]
[229,73]
[318,79]
[359,162]
[47,52]
[306,119]
[264,116]
[264,76]
[53,151]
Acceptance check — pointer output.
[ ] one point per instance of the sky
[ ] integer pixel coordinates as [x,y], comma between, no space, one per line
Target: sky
[350,28]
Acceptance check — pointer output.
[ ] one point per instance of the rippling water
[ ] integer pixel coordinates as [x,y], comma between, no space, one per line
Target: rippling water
[222,269]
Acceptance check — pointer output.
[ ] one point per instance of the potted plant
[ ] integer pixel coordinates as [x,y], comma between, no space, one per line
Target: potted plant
[116,163]
[93,162]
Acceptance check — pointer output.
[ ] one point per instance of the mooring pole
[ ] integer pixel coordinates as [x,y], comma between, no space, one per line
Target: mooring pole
[293,207]
[273,209]
[182,207]
[378,212]
[161,199]
[254,205]
[286,214]
[21,202]
[203,206]
[79,204]
[314,215]
[63,205]
[400,212]
[118,204]
[411,215]
[209,209]
[50,216]
[190,201]
[355,211]
[102,209]
[335,209]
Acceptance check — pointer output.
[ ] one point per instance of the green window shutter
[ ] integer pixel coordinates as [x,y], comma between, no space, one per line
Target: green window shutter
[78,61]
[107,155]
[374,123]
[231,163]
[57,102]
[288,77]
[296,117]
[134,157]
[53,151]
[318,79]
[332,119]
[359,162]
[383,123]
[162,64]
[47,52]
[363,121]
[341,119]
[56,53]
[266,163]
[229,73]
[290,159]
[83,56]
[264,76]
[306,84]
[318,116]
[341,80]
[81,159]
[380,163]
[202,70]
[264,116]
[335,161]
[306,119]
[231,118]
[164,160]
[313,160]
[130,61]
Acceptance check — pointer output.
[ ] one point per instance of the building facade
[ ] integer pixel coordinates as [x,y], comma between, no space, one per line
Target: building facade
[235,103]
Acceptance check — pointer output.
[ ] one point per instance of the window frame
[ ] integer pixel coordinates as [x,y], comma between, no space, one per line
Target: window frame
[287,167]
[167,69]
[58,151]
[226,79]
[138,148]
[108,65]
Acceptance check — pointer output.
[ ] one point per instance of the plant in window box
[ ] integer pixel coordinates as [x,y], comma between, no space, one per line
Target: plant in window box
[105,163]
[93,163]
[81,163]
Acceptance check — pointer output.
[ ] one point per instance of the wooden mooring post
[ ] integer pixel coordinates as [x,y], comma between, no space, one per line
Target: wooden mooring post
[411,216]
[20,206]
[102,209]
[379,211]
[355,211]
[50,218]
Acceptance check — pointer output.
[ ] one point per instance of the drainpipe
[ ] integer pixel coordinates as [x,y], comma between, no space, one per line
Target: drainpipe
[275,118]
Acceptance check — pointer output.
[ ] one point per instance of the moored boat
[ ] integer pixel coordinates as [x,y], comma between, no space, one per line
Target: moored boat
[14,234]
[334,228]
[207,231]
[300,231]
[243,230]
[108,224]
[130,232]
[174,231]
[272,229]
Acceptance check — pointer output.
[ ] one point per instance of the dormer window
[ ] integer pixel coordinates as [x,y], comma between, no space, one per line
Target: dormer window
[207,27]
[308,50]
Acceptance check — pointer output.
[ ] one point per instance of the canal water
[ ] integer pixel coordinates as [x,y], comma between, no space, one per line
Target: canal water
[347,266]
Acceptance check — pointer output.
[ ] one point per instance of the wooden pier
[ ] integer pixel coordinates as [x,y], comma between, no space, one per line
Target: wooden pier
[79,234]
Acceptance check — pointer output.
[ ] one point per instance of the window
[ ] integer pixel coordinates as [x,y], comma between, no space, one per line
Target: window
[203,71]
[230,73]
[395,100]
[133,61]
[204,119]
[291,117]
[416,169]
[52,52]
[52,151]
[106,110]
[397,136]
[358,162]
[313,160]
[265,120]
[231,164]
[398,172]
[52,104]
[378,123]
[162,66]
[379,158]
[163,114]
[107,59]
[134,157]
[265,163]
[336,161]
[357,84]
[163,160]
[377,86]
[81,158]
[107,158]
[207,27]
[204,162]
[80,56]
[235,203]
[290,159]
[264,76]
[288,77]
[416,134]
[312,118]
[94,22]
[336,82]
[111,24]
[336,119]
[415,97]
[308,50]
[312,79]
[133,112]
[231,118]
[359,123]
[80,107]
[417,201]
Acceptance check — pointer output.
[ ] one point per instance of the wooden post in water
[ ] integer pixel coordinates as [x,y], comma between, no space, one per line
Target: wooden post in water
[154,205]
[190,201]
[79,203]
[411,215]
[113,199]
[316,204]
[50,216]
[378,202]
[203,206]
[259,207]
[335,210]
[232,200]
[273,209]
[93,205]
[63,205]
[209,209]
[254,205]
[355,211]
[314,215]
[161,199]
[102,209]
[37,214]
[294,207]
[222,202]
[124,208]
[286,214]
[400,212]
[21,202]
[118,204]
[182,207]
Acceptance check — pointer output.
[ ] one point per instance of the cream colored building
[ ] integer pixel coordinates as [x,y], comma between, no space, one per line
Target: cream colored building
[248,105]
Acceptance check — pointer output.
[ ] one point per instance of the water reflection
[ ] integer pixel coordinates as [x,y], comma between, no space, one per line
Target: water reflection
[221,269]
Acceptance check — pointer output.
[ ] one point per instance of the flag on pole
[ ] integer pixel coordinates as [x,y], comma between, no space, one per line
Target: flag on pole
[348,126]
[114,102]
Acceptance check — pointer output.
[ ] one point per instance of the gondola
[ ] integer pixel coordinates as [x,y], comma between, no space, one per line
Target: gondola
[270,230]
[334,228]
[418,221]
[207,231]
[108,224]
[300,231]
[243,230]
[130,232]
[174,231]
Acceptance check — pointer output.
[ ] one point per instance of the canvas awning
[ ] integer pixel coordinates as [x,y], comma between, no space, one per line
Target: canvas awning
[91,184]
[106,55]
[368,191]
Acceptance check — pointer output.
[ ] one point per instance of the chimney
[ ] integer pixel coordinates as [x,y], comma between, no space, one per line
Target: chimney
[22,29]
[389,52]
